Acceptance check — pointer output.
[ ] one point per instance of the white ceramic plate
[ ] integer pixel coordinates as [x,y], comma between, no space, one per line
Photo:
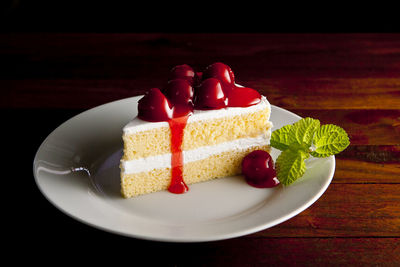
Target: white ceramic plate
[224,208]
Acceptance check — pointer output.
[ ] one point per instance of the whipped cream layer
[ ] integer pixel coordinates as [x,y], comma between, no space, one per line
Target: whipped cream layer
[138,125]
[164,161]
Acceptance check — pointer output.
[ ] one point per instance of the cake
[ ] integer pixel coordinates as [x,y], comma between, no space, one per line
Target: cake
[198,127]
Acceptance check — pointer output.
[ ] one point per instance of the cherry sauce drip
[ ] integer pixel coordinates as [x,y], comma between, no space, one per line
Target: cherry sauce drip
[177,126]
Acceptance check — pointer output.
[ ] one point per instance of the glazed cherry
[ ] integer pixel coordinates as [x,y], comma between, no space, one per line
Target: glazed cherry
[220,71]
[210,95]
[154,106]
[259,170]
[183,72]
[223,73]
[243,97]
[180,93]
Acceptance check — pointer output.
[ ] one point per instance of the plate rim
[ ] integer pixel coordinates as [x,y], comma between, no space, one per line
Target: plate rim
[243,232]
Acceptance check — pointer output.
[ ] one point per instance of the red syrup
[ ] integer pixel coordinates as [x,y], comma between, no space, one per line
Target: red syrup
[243,97]
[177,126]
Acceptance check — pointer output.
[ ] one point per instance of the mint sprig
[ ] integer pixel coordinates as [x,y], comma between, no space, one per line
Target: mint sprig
[301,140]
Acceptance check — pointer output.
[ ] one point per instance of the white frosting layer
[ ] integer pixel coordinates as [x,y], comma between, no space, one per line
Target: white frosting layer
[138,125]
[164,161]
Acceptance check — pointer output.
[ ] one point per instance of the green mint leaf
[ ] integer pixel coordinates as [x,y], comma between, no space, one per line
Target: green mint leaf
[299,134]
[290,165]
[302,132]
[296,140]
[329,140]
[280,138]
[295,146]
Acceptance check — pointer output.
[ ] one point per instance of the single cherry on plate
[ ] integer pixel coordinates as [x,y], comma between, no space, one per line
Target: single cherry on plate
[259,170]
[210,95]
[154,106]
[183,72]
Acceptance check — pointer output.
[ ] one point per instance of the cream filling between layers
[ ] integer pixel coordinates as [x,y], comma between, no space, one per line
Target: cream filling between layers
[138,125]
[164,161]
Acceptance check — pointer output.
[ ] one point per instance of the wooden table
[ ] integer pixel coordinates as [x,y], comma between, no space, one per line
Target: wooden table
[352,80]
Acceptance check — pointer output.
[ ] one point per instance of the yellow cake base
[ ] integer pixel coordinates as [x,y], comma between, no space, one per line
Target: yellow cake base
[216,166]
[197,134]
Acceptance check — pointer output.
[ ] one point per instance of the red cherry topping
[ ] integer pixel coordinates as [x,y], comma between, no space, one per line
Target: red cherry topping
[243,97]
[215,89]
[223,73]
[209,95]
[154,106]
[220,71]
[259,170]
[179,91]
[182,110]
[183,72]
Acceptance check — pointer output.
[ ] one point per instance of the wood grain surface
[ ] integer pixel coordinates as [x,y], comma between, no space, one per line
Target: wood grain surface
[352,80]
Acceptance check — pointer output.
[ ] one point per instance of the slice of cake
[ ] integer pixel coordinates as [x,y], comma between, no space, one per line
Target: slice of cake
[199,127]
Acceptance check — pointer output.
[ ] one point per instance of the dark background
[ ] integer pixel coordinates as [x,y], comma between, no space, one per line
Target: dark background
[196,16]
[39,232]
